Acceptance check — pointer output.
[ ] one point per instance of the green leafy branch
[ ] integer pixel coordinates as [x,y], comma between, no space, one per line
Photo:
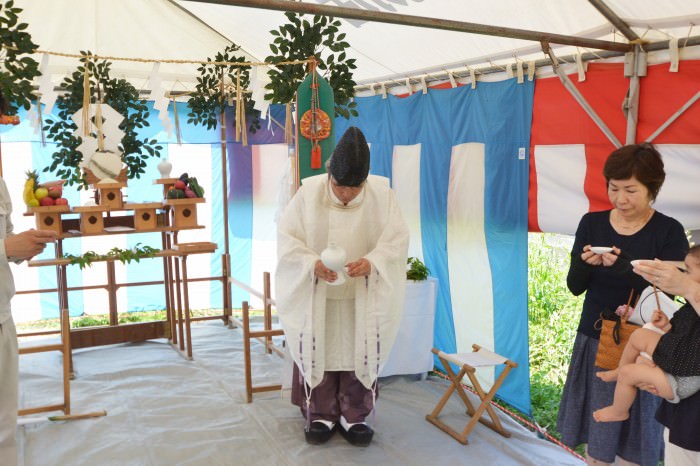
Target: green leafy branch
[125,256]
[16,71]
[298,40]
[416,269]
[207,102]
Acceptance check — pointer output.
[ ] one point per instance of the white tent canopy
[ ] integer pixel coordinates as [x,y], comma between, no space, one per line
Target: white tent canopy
[163,30]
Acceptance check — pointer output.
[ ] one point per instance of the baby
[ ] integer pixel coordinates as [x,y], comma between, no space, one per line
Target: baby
[675,349]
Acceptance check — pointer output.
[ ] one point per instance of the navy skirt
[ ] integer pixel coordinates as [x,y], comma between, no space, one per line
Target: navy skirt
[639,439]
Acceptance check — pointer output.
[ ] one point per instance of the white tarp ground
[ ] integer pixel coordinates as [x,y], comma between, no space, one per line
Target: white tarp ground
[164,410]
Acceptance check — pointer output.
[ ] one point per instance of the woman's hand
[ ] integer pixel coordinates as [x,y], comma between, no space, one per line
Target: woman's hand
[647,387]
[589,257]
[664,275]
[609,258]
[606,260]
[324,273]
[667,277]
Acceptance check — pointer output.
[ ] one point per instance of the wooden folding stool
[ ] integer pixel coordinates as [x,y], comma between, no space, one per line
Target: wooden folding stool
[469,362]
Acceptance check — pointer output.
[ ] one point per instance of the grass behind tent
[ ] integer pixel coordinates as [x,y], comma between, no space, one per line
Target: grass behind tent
[553,318]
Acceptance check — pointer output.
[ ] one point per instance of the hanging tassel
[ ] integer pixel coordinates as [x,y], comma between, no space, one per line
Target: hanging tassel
[86,101]
[288,125]
[238,105]
[223,107]
[244,124]
[178,135]
[316,156]
[315,148]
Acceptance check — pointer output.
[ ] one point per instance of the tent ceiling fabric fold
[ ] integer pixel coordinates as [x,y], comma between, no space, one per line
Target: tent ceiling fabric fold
[196,30]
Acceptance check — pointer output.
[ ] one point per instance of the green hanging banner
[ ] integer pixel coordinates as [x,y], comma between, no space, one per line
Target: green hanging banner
[315,139]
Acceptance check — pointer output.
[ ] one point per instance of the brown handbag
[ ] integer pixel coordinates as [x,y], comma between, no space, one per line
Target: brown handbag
[615,331]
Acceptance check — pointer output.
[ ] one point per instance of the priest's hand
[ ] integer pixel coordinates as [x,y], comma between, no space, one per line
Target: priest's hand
[360,268]
[324,273]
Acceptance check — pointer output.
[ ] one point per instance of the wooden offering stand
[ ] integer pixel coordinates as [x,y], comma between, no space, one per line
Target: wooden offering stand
[166,217]
[49,217]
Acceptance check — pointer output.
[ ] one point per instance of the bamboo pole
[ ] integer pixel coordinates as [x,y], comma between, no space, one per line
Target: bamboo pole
[226,259]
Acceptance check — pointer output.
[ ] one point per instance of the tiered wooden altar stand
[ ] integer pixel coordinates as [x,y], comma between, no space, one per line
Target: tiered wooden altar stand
[168,218]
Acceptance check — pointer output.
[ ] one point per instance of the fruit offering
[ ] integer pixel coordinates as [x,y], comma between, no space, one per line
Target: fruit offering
[42,194]
[185,187]
[28,194]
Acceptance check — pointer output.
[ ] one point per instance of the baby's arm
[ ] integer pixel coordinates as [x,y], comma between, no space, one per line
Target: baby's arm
[661,321]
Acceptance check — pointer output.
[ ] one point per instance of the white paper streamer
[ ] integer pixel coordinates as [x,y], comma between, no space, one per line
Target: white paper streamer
[258,81]
[110,130]
[160,101]
[46,88]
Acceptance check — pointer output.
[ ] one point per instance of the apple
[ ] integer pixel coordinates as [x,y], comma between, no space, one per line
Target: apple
[46,201]
[61,201]
[179,184]
[55,191]
[41,193]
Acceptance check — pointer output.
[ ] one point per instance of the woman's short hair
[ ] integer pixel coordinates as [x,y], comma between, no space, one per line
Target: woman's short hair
[641,161]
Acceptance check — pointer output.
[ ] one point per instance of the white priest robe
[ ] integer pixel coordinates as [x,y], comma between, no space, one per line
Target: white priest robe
[348,327]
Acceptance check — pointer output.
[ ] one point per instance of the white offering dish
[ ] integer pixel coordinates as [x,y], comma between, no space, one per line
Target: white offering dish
[601,249]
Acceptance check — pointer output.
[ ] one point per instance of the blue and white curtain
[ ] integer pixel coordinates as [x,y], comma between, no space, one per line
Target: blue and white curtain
[458,162]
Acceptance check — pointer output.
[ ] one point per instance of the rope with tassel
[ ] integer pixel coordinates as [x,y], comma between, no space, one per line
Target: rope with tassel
[98,124]
[86,101]
[178,134]
[40,120]
[288,126]
[240,104]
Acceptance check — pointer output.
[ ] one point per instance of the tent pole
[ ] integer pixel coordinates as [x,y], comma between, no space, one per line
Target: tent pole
[614,19]
[632,109]
[422,21]
[579,97]
[632,100]
[674,117]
